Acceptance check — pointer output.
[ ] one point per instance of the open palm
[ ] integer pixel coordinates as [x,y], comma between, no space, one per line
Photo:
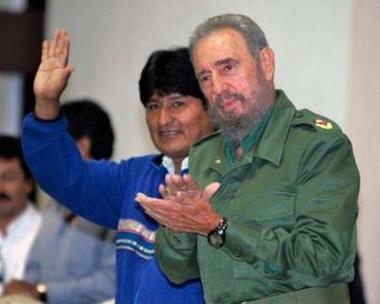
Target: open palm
[53,72]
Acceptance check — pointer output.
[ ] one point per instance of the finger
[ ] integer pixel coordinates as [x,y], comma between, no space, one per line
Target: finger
[67,50]
[44,52]
[52,44]
[61,34]
[154,208]
[165,192]
[59,42]
[173,183]
[191,184]
[140,198]
[180,183]
[210,190]
[69,69]
[150,203]
[187,186]
[63,47]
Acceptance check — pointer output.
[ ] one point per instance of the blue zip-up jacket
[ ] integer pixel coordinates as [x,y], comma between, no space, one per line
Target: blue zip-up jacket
[104,192]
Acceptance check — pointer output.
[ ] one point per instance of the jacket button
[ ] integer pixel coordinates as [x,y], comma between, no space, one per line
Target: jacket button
[176,240]
[298,114]
[237,252]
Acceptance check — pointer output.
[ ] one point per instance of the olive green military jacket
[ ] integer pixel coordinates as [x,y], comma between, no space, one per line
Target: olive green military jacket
[291,205]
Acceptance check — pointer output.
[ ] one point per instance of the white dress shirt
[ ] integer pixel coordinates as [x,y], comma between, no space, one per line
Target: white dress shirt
[16,244]
[168,163]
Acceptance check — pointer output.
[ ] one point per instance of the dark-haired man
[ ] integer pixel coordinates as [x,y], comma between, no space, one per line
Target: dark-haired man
[104,191]
[40,255]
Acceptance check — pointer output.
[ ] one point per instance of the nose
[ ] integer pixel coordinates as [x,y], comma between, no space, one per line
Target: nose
[164,116]
[217,86]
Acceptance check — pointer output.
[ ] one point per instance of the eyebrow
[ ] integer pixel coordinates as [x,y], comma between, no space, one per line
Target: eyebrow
[174,96]
[224,61]
[216,63]
[171,96]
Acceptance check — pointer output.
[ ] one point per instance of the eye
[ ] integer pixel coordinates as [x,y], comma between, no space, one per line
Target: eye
[8,176]
[204,78]
[178,103]
[152,106]
[228,67]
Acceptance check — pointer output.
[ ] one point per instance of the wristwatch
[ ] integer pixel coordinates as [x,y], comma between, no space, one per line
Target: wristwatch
[217,236]
[42,292]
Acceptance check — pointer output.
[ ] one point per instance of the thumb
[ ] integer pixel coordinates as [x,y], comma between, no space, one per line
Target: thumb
[210,190]
[70,68]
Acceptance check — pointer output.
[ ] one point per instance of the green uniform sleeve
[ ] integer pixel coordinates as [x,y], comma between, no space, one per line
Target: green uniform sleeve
[177,255]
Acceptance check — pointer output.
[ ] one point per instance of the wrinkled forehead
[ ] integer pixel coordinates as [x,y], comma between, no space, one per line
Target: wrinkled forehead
[218,45]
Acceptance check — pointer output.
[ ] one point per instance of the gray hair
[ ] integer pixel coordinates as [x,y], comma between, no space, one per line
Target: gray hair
[251,32]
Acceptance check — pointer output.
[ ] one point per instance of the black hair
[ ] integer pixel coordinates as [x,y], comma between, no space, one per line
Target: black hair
[169,71]
[10,147]
[87,118]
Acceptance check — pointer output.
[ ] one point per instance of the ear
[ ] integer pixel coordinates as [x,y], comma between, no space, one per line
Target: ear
[84,146]
[267,63]
[30,185]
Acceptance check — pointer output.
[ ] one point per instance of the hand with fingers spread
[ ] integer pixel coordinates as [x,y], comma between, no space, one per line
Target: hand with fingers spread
[52,75]
[184,206]
[180,185]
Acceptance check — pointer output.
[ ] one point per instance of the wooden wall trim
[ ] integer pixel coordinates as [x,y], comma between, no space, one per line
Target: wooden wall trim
[21,37]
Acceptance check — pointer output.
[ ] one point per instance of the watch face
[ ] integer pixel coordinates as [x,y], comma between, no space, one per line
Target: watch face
[41,288]
[216,240]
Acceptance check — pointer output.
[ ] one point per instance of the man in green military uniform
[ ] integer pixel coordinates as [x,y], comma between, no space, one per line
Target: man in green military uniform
[276,221]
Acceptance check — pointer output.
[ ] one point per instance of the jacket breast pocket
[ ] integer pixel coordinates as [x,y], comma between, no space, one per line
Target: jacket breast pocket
[269,209]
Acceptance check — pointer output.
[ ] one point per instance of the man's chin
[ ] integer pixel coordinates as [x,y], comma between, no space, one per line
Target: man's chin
[231,116]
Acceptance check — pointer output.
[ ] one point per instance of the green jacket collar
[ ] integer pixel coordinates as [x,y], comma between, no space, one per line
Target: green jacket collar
[272,141]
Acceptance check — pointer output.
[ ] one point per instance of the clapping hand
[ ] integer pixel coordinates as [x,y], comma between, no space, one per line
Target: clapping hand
[184,206]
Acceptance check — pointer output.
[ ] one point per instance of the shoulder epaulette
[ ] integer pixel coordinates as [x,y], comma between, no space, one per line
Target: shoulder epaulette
[318,122]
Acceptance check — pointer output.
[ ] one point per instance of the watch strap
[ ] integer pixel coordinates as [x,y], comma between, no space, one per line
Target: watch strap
[217,236]
[222,226]
[42,292]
